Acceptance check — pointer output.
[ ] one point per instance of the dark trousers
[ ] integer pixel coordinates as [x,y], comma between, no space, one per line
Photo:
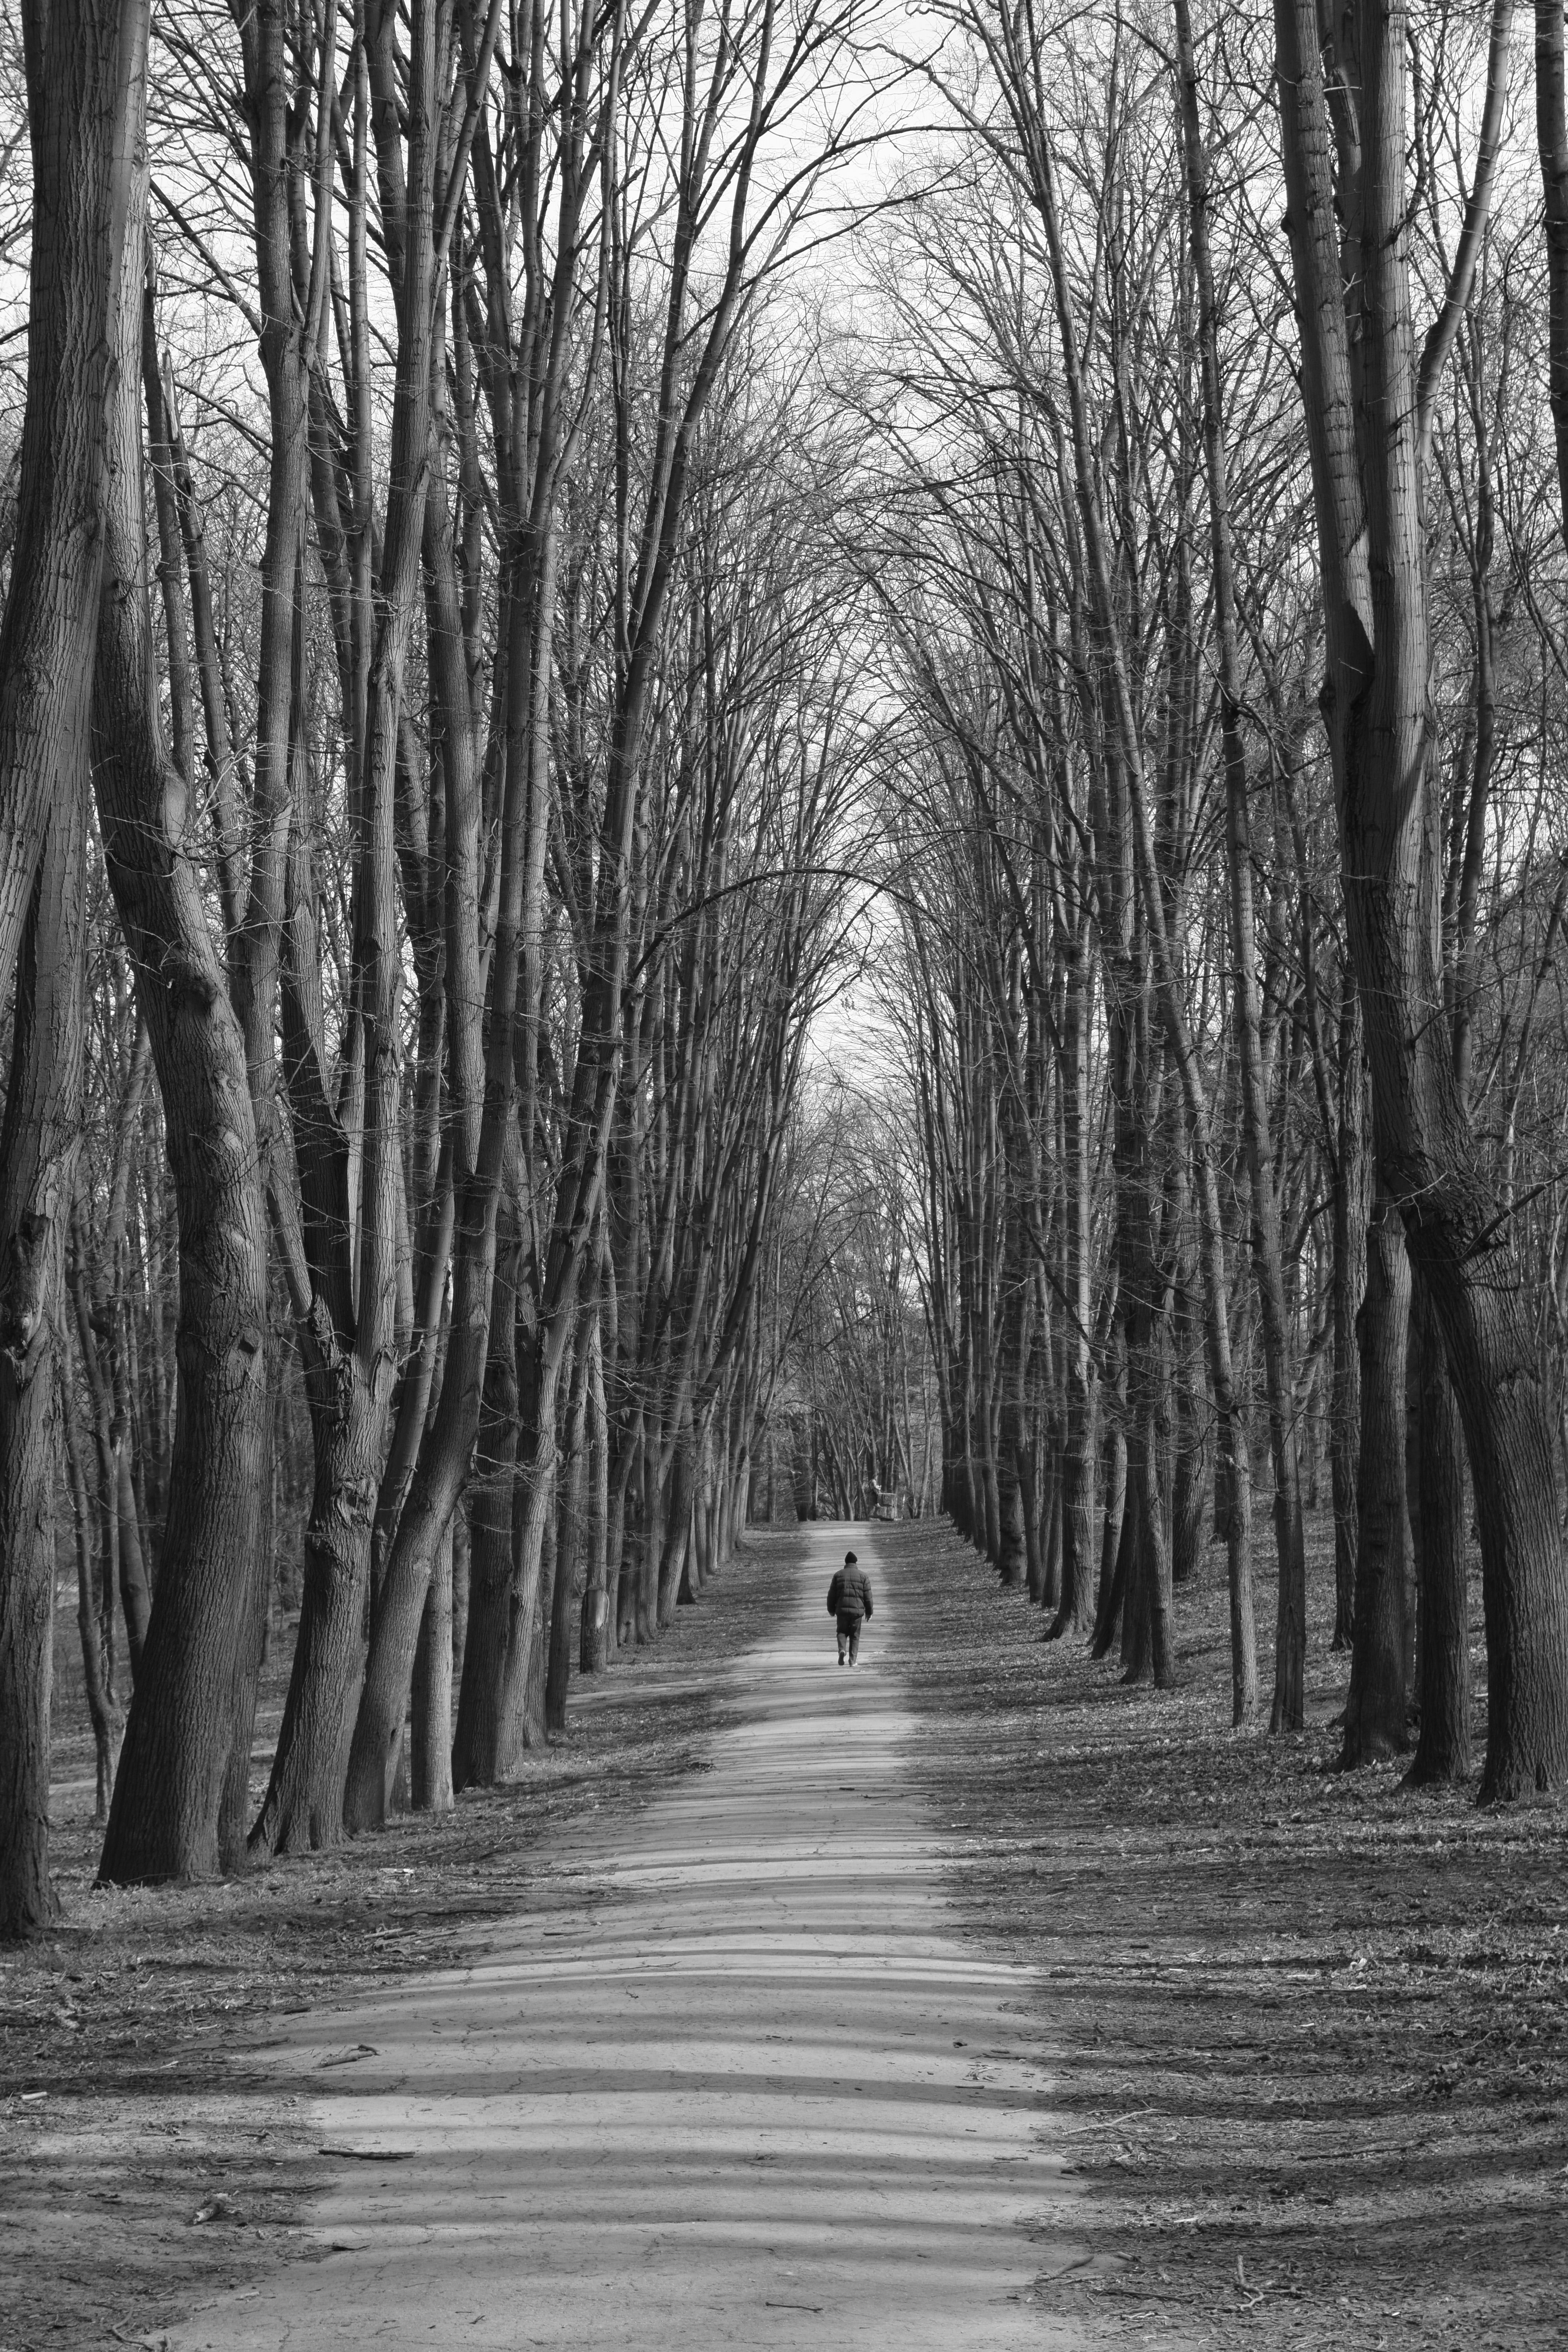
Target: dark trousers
[848,1633]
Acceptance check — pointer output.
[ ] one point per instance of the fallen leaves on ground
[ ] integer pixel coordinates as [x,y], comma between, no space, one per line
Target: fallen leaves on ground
[1308,2033]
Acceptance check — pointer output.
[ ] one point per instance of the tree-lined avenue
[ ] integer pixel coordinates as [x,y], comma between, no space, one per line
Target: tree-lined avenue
[744,2081]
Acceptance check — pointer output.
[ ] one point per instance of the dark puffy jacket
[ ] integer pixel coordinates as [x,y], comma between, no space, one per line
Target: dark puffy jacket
[849,1595]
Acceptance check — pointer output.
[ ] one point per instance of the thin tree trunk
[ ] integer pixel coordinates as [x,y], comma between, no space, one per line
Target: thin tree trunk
[37,1186]
[490,1519]
[596,1633]
[103,1706]
[1108,1598]
[1552,146]
[1075,1613]
[1376,1711]
[1194,1439]
[430,1758]
[459,1588]
[1350,1208]
[677,1530]
[1443,1632]
[572,1484]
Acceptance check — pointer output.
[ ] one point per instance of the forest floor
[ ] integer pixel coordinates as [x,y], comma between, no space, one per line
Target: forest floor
[1305,2036]
[1307,2033]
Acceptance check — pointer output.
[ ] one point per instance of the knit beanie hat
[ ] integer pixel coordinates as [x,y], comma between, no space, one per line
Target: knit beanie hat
[849,1559]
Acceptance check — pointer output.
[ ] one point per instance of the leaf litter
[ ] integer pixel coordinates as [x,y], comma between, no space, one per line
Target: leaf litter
[1306,2033]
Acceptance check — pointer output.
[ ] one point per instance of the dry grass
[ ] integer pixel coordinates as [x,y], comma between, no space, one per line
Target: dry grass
[1309,2032]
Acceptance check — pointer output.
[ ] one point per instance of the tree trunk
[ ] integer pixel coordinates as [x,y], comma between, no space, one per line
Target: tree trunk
[1552,146]
[1194,1439]
[430,1761]
[1351,1183]
[304,1808]
[1114,1445]
[94,1614]
[85,63]
[116,1493]
[37,1187]
[677,1530]
[181,1732]
[1147,1645]
[1051,1546]
[1015,1449]
[1443,1631]
[459,1587]
[1119,1572]
[1075,1611]
[570,1547]
[596,1632]
[490,1520]
[1376,1711]
[1042,1529]
[250,1650]
[651,1547]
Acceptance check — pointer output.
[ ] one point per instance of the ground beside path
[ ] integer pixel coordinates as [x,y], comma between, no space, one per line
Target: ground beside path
[133,2095]
[739,2079]
[1306,2034]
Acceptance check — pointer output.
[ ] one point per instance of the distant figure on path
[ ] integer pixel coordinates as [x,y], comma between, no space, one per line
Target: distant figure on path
[849,1602]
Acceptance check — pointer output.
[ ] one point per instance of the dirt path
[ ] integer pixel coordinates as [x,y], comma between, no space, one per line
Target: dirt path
[744,2083]
[1305,2036]
[130,2099]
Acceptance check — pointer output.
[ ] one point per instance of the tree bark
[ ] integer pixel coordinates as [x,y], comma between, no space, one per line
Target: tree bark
[37,1186]
[1113,1513]
[1376,1712]
[1351,1176]
[163,1823]
[490,1519]
[1443,1631]
[94,1614]
[1194,1439]
[597,1631]
[430,1761]
[572,1484]
[1552,146]
[1075,1611]
[85,63]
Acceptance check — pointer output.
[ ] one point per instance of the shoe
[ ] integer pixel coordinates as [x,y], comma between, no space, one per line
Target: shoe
[842,1659]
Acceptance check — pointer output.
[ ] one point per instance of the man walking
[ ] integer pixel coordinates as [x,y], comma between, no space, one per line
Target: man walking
[849,1602]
